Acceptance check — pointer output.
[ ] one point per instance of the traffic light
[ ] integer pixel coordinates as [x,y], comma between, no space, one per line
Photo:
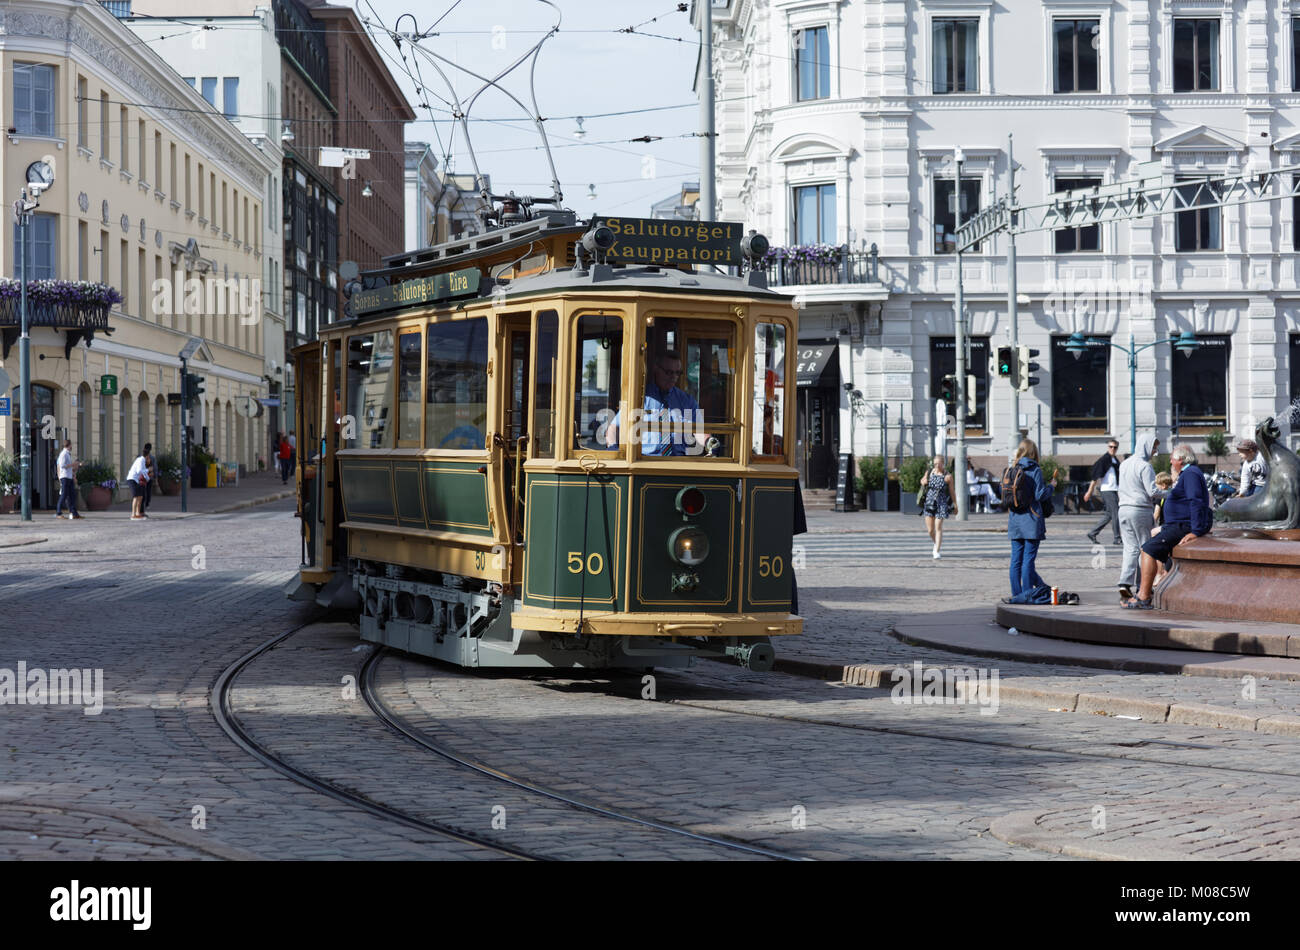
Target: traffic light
[198,386]
[191,389]
[1006,362]
[970,397]
[1025,369]
[948,389]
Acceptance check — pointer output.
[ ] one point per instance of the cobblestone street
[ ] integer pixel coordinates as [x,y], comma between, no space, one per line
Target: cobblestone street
[795,766]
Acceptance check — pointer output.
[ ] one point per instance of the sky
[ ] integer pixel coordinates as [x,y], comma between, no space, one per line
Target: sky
[586,69]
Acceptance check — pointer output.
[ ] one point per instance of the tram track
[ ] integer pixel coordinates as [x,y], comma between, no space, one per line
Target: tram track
[223,711]
[404,728]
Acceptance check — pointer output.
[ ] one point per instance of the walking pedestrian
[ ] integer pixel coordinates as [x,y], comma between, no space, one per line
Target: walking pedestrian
[1137,492]
[1105,481]
[939,500]
[1024,492]
[138,476]
[282,456]
[293,452]
[1186,514]
[1254,470]
[67,467]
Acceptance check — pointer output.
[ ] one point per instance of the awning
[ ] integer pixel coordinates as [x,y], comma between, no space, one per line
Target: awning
[815,360]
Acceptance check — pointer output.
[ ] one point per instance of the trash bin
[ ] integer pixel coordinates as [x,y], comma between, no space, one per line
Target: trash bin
[213,482]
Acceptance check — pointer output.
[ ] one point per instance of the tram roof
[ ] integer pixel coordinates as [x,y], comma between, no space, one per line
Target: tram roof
[646,279]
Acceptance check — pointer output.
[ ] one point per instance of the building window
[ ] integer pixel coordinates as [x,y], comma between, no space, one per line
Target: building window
[1198,229]
[956,55]
[943,362]
[1295,54]
[1080,387]
[124,146]
[42,249]
[230,97]
[1200,390]
[945,211]
[103,125]
[33,99]
[1196,55]
[814,214]
[812,63]
[1295,368]
[83,121]
[1086,238]
[209,90]
[119,8]
[1077,43]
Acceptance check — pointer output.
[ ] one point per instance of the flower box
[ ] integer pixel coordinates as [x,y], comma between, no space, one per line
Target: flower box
[98,498]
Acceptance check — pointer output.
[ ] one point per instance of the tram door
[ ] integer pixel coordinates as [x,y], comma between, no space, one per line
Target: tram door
[518,343]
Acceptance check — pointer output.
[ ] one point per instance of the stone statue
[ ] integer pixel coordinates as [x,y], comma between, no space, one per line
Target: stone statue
[1277,506]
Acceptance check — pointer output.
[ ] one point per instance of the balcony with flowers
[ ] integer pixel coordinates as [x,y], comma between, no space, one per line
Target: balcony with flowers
[79,308]
[816,268]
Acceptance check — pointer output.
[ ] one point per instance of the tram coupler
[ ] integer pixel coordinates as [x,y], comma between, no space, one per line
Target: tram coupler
[759,657]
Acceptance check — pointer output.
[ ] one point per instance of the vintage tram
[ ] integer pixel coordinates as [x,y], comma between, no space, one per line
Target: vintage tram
[556,444]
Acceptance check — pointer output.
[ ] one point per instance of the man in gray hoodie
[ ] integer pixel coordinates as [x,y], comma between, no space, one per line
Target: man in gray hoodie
[1137,498]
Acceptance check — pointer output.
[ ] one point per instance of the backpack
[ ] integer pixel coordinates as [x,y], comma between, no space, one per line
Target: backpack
[1018,489]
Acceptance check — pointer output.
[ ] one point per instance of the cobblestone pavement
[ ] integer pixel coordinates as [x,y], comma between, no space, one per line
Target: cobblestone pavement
[790,763]
[863,574]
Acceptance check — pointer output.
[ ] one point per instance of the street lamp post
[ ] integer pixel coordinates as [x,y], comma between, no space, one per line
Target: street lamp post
[1078,344]
[959,342]
[40,176]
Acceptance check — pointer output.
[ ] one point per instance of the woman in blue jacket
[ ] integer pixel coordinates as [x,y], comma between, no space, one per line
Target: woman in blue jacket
[1026,527]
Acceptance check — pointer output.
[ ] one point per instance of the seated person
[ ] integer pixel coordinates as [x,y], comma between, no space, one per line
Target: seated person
[981,492]
[1186,516]
[669,413]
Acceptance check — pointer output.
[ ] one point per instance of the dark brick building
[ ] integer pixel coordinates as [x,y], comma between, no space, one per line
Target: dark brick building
[372,114]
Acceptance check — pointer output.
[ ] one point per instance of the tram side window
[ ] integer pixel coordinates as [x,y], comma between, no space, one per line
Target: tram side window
[599,355]
[456,400]
[370,365]
[548,329]
[408,388]
[769,391]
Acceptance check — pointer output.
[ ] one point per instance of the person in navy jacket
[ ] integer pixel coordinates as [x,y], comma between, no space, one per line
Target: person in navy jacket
[1026,529]
[1186,515]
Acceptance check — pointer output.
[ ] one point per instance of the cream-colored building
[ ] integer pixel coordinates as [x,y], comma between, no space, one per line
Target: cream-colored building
[156,194]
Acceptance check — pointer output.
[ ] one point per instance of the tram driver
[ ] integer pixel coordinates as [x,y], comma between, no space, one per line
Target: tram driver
[670,416]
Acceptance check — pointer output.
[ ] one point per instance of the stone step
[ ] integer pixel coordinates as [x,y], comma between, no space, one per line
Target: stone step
[1159,629]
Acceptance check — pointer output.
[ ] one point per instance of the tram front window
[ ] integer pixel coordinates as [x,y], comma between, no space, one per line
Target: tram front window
[688,404]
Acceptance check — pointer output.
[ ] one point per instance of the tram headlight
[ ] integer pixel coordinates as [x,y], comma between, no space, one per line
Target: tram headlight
[688,545]
[754,245]
[598,239]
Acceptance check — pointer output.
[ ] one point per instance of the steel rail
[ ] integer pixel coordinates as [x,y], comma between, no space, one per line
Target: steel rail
[223,712]
[401,726]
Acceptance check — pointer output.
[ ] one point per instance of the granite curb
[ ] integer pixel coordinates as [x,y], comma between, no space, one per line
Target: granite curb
[880,676]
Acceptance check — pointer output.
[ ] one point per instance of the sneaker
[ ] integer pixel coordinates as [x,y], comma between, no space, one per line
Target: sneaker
[1092,538]
[137,517]
[935,555]
[1125,593]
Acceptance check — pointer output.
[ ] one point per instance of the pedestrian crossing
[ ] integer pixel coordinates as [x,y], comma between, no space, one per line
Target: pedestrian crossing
[864,548]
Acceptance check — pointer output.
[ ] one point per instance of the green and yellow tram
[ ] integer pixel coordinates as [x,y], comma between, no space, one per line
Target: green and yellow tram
[556,444]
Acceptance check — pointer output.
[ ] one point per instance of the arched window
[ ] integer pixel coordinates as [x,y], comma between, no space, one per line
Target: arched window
[142,419]
[83,421]
[105,428]
[125,454]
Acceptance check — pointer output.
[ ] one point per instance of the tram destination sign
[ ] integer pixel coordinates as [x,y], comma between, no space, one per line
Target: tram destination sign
[420,290]
[658,241]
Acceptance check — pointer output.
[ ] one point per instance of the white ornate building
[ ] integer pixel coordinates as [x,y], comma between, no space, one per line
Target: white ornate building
[837,121]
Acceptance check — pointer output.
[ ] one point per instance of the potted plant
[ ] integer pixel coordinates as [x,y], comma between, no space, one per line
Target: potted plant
[200,459]
[10,483]
[170,472]
[910,473]
[99,481]
[872,468]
